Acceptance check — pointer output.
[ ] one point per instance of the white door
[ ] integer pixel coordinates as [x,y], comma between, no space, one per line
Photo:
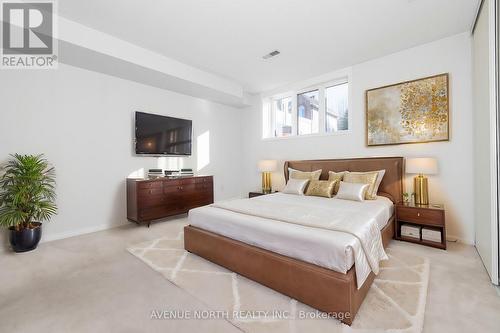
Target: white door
[485,138]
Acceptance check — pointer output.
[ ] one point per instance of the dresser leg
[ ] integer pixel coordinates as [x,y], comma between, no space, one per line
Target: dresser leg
[149,223]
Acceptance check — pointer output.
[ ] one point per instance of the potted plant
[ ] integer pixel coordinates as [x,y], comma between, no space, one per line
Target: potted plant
[27,198]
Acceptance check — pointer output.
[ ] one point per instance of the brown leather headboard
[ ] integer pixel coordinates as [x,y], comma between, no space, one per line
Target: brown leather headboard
[392,183]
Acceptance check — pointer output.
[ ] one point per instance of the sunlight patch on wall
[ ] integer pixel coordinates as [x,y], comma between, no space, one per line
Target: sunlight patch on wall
[203,150]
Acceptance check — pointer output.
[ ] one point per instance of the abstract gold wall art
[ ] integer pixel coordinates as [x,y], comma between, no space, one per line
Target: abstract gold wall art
[408,112]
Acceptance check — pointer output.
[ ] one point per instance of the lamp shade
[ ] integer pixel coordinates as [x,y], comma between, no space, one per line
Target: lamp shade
[267,165]
[423,165]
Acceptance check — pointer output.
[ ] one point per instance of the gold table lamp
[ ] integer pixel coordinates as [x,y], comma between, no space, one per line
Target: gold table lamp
[421,166]
[266,167]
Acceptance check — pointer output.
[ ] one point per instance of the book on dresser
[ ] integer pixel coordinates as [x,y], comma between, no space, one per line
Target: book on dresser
[153,199]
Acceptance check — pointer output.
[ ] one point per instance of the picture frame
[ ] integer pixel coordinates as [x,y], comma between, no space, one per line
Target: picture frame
[415,111]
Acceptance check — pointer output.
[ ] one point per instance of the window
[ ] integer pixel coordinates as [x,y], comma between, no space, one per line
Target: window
[336,108]
[282,110]
[308,112]
[321,110]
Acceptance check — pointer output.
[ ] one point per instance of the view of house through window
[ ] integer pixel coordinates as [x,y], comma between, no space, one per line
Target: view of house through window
[336,108]
[282,116]
[308,112]
[301,113]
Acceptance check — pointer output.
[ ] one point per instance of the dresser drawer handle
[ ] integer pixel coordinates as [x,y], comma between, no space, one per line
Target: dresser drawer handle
[150,191]
[418,214]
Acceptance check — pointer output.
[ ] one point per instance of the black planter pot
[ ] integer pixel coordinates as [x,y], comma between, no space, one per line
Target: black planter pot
[27,239]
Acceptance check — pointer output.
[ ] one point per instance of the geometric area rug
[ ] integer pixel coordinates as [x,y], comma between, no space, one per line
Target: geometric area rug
[395,302]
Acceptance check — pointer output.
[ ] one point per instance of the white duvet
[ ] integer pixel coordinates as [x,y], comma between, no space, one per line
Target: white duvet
[332,233]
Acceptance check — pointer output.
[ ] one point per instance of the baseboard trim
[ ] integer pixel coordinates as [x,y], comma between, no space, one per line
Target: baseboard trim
[79,232]
[5,248]
[455,239]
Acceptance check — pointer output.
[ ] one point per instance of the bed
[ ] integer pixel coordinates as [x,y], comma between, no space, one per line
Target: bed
[315,266]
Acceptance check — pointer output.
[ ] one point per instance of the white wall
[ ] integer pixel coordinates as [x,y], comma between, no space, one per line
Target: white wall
[454,184]
[83,122]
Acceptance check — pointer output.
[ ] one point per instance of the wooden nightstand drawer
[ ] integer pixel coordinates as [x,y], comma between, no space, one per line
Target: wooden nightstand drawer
[421,216]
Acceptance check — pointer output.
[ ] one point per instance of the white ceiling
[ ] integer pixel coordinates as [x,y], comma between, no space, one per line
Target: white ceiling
[229,37]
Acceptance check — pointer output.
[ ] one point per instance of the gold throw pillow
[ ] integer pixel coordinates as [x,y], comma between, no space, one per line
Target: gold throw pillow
[369,178]
[321,188]
[297,174]
[338,176]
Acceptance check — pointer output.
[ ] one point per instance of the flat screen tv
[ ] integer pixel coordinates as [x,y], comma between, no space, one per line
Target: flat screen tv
[161,135]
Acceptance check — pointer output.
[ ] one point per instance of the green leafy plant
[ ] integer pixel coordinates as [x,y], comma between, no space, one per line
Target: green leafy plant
[27,191]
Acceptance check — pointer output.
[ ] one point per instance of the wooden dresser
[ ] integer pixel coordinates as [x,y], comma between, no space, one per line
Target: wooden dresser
[152,199]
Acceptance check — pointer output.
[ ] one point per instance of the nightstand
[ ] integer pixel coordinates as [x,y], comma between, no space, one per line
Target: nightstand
[422,216]
[258,193]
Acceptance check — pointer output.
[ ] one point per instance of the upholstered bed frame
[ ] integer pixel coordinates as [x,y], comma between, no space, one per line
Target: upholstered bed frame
[321,288]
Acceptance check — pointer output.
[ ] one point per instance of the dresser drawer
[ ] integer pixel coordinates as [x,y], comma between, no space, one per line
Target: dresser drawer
[172,182]
[203,179]
[152,200]
[195,180]
[149,185]
[171,189]
[150,192]
[200,195]
[422,216]
[208,186]
[199,203]
[181,188]
[151,213]
[186,181]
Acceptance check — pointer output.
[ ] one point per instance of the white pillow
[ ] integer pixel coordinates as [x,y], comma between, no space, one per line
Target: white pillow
[352,191]
[296,186]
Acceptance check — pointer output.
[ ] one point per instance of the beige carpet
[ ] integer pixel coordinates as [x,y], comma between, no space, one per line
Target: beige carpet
[395,302]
